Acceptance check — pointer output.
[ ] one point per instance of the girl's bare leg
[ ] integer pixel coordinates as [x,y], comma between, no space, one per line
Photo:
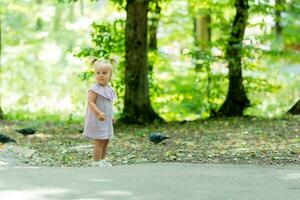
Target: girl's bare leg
[104,149]
[98,149]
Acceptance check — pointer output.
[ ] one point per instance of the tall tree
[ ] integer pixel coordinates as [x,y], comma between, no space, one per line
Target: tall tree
[137,106]
[295,110]
[236,100]
[202,38]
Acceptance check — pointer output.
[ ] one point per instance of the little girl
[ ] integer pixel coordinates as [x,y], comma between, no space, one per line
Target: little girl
[99,114]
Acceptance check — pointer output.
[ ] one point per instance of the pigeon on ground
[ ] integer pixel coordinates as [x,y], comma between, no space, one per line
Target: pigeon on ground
[26,131]
[157,137]
[80,131]
[5,139]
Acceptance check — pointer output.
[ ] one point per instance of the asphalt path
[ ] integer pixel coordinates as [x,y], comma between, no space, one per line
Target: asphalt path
[166,181]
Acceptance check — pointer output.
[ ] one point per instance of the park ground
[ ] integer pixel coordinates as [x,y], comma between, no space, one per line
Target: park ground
[248,140]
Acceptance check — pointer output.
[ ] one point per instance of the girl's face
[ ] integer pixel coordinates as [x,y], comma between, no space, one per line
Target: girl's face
[103,74]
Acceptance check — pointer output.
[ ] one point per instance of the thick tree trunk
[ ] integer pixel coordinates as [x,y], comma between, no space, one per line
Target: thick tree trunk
[236,100]
[137,106]
[295,110]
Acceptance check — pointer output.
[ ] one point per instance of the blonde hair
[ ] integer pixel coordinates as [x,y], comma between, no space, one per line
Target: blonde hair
[111,63]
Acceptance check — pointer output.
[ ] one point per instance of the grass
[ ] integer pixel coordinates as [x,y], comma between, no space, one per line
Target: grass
[224,140]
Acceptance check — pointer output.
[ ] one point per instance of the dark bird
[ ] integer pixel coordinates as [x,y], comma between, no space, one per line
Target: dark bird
[157,137]
[5,139]
[26,131]
[80,131]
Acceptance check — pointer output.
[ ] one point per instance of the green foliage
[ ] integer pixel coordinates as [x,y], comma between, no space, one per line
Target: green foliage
[120,3]
[260,84]
[255,49]
[187,93]
[107,39]
[37,71]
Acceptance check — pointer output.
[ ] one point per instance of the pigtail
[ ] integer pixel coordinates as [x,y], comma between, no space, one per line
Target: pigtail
[93,60]
[114,61]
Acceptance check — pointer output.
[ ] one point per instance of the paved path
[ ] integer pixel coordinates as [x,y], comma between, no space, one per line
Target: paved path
[151,182]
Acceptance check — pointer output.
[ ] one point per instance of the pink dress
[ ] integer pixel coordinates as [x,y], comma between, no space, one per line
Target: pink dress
[93,127]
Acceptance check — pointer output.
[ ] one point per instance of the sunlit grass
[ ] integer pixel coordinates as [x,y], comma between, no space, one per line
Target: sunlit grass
[42,116]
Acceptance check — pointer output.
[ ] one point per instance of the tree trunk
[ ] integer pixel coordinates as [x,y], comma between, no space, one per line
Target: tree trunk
[153,26]
[39,21]
[236,100]
[295,110]
[137,106]
[202,35]
[1,112]
[278,11]
[202,38]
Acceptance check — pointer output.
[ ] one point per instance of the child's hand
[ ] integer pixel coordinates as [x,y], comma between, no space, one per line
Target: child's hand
[101,116]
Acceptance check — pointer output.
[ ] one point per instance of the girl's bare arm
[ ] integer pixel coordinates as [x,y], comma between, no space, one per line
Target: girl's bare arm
[91,103]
